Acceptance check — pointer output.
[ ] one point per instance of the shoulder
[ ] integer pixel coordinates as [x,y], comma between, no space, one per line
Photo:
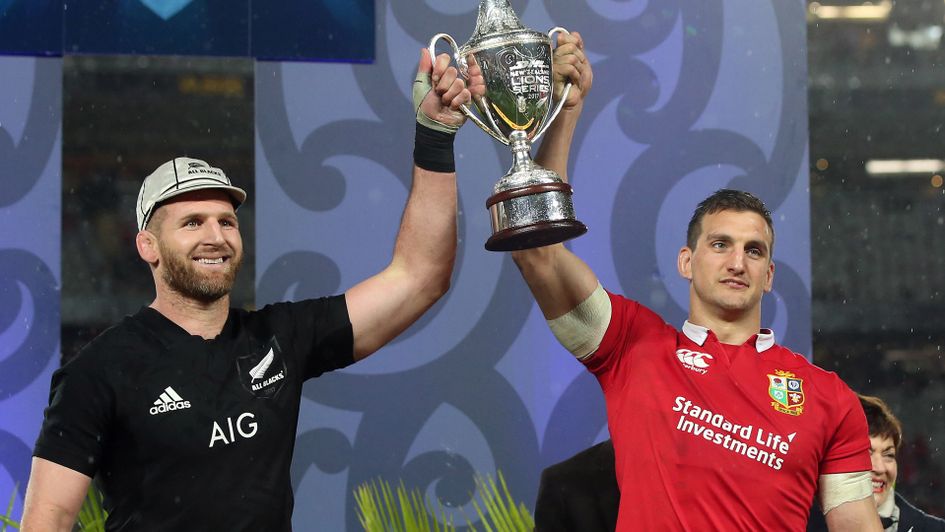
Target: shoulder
[796,361]
[113,344]
[286,309]
[634,314]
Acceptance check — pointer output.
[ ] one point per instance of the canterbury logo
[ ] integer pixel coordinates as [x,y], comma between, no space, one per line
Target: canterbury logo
[694,360]
[169,400]
[259,371]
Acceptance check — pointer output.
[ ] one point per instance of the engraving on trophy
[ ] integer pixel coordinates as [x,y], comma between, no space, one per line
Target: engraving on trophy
[531,206]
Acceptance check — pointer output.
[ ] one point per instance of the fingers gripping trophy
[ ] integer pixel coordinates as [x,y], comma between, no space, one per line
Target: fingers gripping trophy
[530,205]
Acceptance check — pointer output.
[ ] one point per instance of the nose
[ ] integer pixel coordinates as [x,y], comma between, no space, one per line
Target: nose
[736,262]
[214,233]
[879,465]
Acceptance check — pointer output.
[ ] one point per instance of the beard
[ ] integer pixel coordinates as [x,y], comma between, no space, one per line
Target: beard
[182,276]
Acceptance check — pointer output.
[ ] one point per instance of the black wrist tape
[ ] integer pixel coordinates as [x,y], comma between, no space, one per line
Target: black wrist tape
[433,150]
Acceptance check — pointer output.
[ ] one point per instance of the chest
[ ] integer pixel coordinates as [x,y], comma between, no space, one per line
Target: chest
[705,409]
[199,401]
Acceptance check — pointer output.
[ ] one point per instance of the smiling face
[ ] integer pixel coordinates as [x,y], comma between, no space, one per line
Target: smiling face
[884,468]
[199,248]
[730,267]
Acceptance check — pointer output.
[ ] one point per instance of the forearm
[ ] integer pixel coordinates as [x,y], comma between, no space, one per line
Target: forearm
[53,497]
[46,519]
[555,147]
[384,305]
[557,278]
[426,243]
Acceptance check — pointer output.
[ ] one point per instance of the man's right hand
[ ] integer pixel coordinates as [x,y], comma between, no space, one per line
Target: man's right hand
[439,92]
[570,64]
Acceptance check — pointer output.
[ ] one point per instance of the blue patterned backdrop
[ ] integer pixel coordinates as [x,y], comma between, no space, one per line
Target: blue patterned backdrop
[30,200]
[688,97]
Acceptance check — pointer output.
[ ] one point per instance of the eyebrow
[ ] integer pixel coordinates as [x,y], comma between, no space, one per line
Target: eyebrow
[714,237]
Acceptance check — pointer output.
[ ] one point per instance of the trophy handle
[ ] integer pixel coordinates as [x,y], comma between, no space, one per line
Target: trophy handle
[549,118]
[464,71]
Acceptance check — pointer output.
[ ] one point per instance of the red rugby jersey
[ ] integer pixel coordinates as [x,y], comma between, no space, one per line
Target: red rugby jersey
[711,436]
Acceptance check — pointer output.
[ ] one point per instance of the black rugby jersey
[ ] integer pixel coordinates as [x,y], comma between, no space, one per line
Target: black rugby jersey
[191,434]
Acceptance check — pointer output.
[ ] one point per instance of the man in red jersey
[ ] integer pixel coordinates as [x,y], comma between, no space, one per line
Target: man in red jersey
[715,426]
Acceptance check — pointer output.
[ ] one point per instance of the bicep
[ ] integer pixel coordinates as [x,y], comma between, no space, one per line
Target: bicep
[383,306]
[854,516]
[54,496]
[558,279]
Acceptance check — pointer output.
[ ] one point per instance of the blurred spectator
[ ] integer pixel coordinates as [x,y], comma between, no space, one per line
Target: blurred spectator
[896,513]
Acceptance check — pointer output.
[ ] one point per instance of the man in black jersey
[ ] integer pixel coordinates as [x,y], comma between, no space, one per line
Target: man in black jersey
[186,411]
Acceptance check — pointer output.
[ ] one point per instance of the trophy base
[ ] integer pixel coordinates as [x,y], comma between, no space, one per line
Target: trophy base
[535,236]
[532,216]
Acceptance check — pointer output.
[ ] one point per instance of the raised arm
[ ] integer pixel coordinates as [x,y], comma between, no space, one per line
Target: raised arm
[558,279]
[382,306]
[53,497]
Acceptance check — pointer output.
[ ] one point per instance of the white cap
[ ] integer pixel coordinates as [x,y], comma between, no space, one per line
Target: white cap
[178,176]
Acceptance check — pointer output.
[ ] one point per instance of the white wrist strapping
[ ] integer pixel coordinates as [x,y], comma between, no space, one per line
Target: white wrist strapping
[582,329]
[836,489]
[422,85]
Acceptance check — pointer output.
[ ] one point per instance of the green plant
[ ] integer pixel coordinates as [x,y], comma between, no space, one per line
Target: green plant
[378,511]
[92,516]
[501,512]
[381,509]
[7,518]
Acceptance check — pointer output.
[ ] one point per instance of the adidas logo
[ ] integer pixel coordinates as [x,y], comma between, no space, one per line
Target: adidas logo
[168,401]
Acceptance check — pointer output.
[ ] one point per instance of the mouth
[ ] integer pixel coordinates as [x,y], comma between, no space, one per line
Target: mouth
[734,283]
[211,261]
[879,486]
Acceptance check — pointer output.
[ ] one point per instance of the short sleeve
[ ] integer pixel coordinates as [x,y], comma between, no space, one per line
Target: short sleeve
[76,422]
[629,320]
[849,449]
[319,332]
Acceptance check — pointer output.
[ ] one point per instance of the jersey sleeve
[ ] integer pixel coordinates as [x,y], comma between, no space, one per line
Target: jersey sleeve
[76,422]
[849,449]
[629,320]
[319,332]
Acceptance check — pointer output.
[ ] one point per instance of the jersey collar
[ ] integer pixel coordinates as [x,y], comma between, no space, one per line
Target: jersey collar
[764,340]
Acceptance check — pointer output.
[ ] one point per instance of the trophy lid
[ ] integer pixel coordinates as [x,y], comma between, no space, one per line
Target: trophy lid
[496,17]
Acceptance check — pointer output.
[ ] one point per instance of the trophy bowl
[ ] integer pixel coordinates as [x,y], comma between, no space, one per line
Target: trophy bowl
[530,206]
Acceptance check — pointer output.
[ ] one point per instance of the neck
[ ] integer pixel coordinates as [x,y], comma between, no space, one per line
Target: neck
[734,328]
[886,508]
[199,318]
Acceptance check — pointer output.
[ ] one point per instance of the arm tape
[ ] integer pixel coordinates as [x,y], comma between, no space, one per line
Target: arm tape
[836,489]
[582,329]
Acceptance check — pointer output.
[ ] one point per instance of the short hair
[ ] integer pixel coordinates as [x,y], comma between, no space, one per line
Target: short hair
[726,199]
[880,419]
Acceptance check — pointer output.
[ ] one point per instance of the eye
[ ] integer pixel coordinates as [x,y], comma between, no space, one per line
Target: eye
[755,252]
[718,244]
[192,224]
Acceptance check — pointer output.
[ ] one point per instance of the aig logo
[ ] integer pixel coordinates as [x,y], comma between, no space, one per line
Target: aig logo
[245,427]
[694,360]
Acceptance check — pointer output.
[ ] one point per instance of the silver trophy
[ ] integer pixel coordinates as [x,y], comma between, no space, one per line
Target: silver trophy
[530,206]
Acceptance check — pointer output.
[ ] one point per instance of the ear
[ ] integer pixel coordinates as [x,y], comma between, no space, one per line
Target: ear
[146,242]
[684,262]
[769,278]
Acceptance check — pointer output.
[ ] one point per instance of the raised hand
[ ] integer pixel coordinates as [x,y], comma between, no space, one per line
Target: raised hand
[570,64]
[438,93]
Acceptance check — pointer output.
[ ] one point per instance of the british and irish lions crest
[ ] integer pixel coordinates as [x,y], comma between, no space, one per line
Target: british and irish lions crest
[787,391]
[530,206]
